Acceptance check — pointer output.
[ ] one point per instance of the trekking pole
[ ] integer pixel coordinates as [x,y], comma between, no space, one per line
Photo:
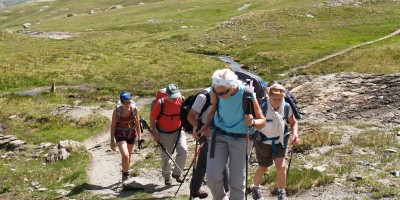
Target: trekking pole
[248,100]
[187,172]
[146,126]
[290,161]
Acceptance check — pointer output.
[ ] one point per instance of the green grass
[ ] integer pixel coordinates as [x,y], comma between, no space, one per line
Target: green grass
[299,180]
[34,122]
[72,170]
[374,139]
[125,50]
[148,163]
[320,137]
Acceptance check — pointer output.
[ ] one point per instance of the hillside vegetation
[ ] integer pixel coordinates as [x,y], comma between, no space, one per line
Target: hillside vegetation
[144,46]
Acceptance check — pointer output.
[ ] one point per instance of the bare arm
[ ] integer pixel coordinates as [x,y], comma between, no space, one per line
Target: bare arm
[258,119]
[154,129]
[210,117]
[112,132]
[294,128]
[137,124]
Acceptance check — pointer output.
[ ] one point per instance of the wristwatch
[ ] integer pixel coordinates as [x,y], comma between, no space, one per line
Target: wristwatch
[253,123]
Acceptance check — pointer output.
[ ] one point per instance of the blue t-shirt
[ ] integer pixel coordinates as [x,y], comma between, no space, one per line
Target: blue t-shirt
[232,114]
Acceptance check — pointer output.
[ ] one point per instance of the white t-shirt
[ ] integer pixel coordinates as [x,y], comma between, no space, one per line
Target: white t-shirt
[199,104]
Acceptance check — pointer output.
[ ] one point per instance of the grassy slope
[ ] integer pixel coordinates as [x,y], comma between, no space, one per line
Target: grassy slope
[122,49]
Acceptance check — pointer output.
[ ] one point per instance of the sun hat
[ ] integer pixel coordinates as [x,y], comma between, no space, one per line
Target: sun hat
[173,91]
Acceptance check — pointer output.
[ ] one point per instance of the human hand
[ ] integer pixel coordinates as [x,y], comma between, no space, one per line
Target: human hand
[196,134]
[249,119]
[205,131]
[140,143]
[296,139]
[112,145]
[156,137]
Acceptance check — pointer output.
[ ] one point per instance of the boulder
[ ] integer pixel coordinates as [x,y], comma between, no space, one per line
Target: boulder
[71,146]
[27,25]
[139,183]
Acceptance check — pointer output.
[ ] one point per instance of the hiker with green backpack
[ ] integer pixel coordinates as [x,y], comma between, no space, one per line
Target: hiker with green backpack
[232,133]
[272,141]
[166,128]
[125,129]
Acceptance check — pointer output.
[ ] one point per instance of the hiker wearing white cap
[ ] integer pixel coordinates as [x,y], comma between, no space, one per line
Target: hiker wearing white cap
[231,135]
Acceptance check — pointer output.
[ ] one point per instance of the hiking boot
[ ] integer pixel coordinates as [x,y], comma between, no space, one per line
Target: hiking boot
[168,182]
[201,194]
[125,176]
[256,193]
[282,195]
[179,178]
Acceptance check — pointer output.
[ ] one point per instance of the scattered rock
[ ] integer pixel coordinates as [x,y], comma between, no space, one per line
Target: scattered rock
[319,168]
[91,11]
[363,163]
[310,16]
[45,145]
[71,15]
[390,151]
[27,25]
[71,146]
[116,7]
[42,189]
[353,178]
[62,192]
[395,173]
[244,7]
[16,144]
[34,184]
[12,117]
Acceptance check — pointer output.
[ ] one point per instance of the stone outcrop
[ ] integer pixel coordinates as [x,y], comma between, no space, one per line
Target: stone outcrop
[348,96]
[64,149]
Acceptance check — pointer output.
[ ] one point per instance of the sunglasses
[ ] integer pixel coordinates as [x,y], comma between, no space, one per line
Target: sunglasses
[221,93]
[277,90]
[127,102]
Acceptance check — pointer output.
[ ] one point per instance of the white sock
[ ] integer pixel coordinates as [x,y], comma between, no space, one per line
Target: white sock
[256,186]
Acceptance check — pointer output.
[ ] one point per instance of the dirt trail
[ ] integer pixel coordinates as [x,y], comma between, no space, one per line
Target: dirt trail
[344,51]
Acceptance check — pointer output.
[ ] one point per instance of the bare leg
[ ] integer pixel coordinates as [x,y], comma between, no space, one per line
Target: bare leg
[259,175]
[125,154]
[281,172]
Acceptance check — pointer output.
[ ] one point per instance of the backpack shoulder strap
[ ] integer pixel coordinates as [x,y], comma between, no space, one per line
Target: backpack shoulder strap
[264,106]
[286,111]
[119,112]
[208,102]
[161,101]
[247,95]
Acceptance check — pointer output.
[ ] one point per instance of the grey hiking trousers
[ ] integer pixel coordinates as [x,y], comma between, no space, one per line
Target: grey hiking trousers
[234,150]
[168,140]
